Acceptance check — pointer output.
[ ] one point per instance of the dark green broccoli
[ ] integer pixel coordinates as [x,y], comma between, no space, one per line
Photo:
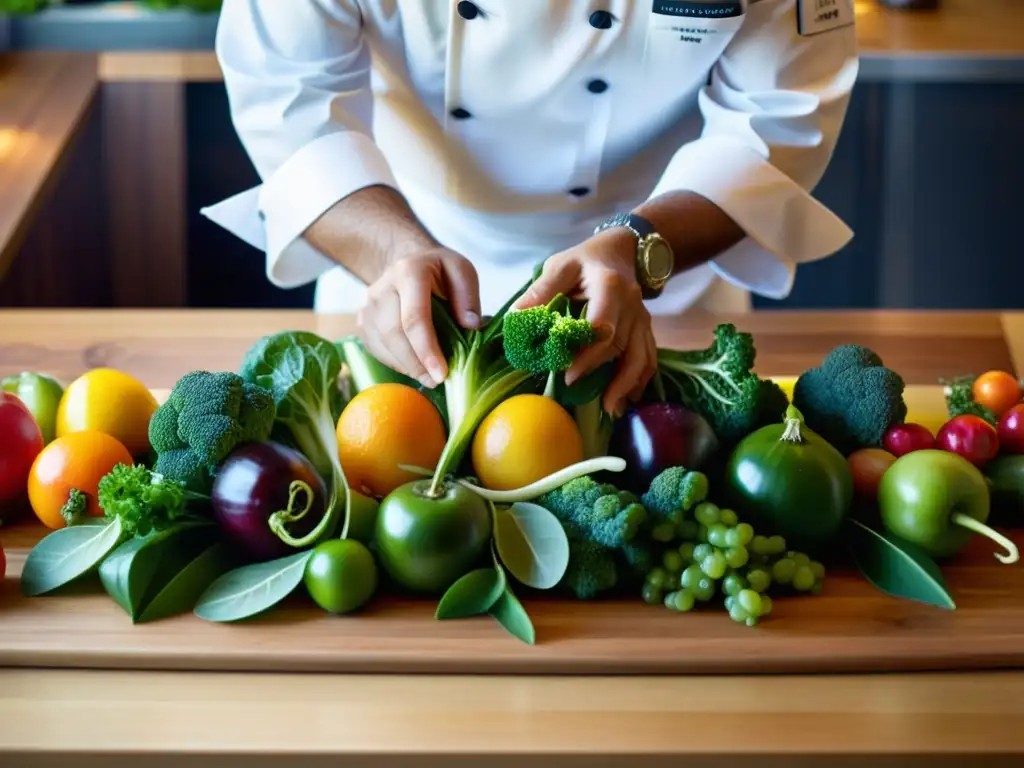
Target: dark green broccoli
[675,491]
[851,399]
[720,384]
[600,512]
[592,569]
[545,339]
[960,400]
[205,417]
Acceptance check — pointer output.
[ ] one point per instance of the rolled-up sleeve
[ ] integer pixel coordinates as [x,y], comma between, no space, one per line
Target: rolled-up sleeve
[297,75]
[772,111]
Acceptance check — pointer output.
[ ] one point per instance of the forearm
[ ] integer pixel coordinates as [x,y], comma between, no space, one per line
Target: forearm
[697,229]
[368,230]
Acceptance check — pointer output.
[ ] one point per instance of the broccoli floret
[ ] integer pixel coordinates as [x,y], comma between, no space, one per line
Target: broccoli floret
[205,417]
[720,384]
[960,400]
[75,508]
[545,339]
[852,399]
[673,492]
[592,569]
[640,556]
[600,512]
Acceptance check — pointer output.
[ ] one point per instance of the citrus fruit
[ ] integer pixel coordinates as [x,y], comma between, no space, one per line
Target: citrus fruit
[998,391]
[382,427]
[524,439]
[341,575]
[77,461]
[109,401]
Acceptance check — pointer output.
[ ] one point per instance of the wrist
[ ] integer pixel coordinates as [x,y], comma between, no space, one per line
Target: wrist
[617,249]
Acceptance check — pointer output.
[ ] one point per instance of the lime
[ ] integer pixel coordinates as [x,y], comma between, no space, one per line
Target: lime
[341,575]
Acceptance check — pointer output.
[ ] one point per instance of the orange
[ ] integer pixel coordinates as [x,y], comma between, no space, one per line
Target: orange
[110,401]
[525,439]
[382,427]
[997,390]
[77,460]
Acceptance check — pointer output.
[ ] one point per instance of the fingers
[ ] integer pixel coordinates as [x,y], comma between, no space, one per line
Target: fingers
[388,340]
[608,297]
[415,329]
[559,276]
[374,342]
[464,290]
[636,366]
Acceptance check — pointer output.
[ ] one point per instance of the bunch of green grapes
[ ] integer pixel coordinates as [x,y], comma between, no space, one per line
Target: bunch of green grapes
[716,553]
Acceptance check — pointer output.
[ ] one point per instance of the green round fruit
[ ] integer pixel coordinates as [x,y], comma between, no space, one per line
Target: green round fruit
[786,479]
[341,575]
[1006,484]
[426,543]
[364,517]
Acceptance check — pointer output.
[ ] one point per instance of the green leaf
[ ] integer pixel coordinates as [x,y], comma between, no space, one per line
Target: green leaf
[532,544]
[252,589]
[472,595]
[182,592]
[509,612]
[67,554]
[897,567]
[138,570]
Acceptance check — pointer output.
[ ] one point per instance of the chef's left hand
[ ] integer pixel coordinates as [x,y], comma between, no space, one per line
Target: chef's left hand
[602,271]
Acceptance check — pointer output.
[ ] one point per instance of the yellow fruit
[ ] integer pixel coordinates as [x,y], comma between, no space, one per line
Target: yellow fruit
[526,438]
[109,401]
[382,427]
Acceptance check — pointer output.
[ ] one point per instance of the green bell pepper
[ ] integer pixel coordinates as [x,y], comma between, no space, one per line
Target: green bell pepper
[41,394]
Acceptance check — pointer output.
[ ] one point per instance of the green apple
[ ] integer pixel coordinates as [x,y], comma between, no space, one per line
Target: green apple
[938,500]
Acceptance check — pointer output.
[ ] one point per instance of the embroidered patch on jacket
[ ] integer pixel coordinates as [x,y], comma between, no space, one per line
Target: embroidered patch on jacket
[692,9]
[817,16]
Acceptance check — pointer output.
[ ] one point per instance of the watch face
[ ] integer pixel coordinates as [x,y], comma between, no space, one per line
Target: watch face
[660,260]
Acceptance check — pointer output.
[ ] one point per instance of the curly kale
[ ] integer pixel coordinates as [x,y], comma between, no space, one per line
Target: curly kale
[720,384]
[673,492]
[205,417]
[960,400]
[143,500]
[851,399]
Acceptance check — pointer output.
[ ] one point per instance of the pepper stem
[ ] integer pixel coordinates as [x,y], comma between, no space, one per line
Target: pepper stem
[979,527]
[794,421]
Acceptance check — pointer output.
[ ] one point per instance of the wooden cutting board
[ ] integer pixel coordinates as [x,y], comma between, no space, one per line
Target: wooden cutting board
[850,627]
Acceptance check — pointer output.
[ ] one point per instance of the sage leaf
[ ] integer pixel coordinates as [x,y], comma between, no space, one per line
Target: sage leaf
[67,554]
[509,612]
[897,567]
[532,544]
[182,591]
[252,589]
[472,595]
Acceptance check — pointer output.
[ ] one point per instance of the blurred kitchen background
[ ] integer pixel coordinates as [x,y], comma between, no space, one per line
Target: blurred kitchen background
[114,131]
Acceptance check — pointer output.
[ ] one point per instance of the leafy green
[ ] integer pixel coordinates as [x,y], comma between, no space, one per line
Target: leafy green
[205,417]
[897,567]
[252,589]
[511,614]
[959,394]
[143,500]
[472,595]
[532,544]
[301,371]
[68,554]
[183,590]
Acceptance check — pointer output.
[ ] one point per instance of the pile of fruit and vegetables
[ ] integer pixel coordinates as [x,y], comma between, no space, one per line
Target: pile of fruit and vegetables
[315,472]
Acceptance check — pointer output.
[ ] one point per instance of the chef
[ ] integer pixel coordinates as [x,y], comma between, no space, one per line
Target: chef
[656,155]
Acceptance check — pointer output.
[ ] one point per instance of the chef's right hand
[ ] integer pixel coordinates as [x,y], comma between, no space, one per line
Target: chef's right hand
[396,321]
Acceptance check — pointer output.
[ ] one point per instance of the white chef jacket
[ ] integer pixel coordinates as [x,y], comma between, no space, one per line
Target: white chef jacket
[513,127]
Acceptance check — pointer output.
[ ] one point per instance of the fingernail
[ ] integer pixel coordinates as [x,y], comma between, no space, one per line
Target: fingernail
[570,378]
[435,369]
[427,382]
[471,319]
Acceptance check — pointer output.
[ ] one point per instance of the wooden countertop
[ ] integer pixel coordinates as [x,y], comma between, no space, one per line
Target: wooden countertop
[44,98]
[136,718]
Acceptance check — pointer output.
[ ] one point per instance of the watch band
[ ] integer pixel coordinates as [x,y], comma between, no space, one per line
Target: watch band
[644,232]
[638,225]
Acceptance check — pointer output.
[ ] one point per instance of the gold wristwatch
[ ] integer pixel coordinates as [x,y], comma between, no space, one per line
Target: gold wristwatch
[654,257]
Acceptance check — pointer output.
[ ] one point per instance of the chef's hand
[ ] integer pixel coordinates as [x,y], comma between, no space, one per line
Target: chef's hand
[396,321]
[602,271]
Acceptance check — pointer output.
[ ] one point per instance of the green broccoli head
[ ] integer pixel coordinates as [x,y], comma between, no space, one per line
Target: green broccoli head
[675,491]
[592,569]
[545,339]
[600,512]
[851,399]
[204,418]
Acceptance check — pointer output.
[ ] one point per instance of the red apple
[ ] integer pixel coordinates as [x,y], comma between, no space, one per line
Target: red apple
[1011,430]
[970,436]
[902,439]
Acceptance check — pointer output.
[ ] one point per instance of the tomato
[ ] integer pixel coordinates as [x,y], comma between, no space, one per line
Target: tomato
[867,467]
[998,391]
[970,436]
[20,443]
[3,563]
[902,439]
[76,461]
[1011,430]
[105,400]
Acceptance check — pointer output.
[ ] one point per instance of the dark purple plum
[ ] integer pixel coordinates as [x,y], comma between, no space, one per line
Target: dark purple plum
[252,484]
[655,436]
